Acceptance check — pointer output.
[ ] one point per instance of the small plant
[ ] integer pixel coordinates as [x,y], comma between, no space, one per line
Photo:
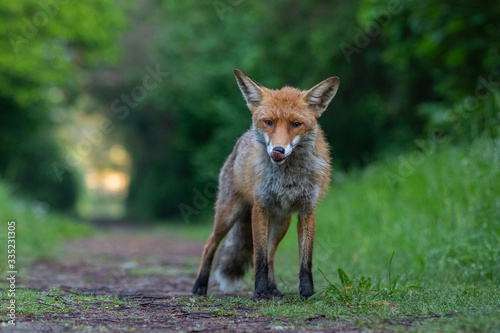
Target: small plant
[224,312]
[362,291]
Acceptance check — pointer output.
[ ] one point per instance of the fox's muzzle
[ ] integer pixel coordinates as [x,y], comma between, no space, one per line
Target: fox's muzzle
[278,154]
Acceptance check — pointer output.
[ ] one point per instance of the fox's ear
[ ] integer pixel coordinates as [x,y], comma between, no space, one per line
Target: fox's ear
[251,90]
[319,96]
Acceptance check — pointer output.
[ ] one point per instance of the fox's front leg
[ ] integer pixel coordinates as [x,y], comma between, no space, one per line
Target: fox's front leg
[306,228]
[277,230]
[260,235]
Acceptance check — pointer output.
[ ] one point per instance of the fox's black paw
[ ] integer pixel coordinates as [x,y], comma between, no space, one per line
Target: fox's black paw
[200,288]
[261,295]
[276,293]
[306,294]
[199,291]
[306,288]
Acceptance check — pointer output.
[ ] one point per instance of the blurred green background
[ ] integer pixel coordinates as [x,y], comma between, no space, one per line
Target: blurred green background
[127,110]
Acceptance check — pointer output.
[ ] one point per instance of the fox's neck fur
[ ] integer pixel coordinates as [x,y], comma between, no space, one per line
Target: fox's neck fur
[290,186]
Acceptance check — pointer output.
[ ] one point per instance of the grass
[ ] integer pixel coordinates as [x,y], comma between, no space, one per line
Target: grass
[36,303]
[420,242]
[37,232]
[442,220]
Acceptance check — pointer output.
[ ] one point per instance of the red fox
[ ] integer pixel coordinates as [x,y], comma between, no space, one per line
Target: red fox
[278,167]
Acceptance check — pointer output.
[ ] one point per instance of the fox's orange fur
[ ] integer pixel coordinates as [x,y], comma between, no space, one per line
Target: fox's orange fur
[280,166]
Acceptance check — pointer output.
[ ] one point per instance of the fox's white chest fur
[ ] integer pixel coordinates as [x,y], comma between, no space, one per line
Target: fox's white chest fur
[290,186]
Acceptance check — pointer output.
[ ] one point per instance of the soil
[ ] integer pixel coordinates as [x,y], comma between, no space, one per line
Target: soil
[154,273]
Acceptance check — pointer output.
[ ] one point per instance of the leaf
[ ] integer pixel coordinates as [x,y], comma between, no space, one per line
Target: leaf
[344,278]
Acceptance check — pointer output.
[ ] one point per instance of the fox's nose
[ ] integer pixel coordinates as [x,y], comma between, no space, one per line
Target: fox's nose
[278,154]
[279,149]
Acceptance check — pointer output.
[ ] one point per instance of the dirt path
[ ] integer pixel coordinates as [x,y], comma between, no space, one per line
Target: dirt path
[151,275]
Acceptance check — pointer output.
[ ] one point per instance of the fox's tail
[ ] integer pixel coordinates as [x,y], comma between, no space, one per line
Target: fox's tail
[235,256]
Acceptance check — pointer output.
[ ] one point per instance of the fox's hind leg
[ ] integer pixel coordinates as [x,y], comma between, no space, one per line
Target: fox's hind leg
[226,214]
[278,229]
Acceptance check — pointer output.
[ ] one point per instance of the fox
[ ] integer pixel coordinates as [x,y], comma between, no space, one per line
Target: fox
[280,166]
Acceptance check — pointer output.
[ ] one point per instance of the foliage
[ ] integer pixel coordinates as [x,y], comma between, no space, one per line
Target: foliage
[407,69]
[196,115]
[445,56]
[402,75]
[46,48]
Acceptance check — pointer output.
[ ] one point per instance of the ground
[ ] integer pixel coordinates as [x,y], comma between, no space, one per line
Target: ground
[124,280]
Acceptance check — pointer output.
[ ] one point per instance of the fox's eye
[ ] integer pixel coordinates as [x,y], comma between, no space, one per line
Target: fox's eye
[296,124]
[269,123]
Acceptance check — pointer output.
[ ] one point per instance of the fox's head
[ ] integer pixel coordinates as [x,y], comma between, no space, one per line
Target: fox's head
[285,117]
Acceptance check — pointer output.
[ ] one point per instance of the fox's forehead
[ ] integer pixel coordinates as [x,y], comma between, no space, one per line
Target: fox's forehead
[287,102]
[285,97]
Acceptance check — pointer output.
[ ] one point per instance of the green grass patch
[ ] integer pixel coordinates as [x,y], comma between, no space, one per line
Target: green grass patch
[35,302]
[442,219]
[419,240]
[472,321]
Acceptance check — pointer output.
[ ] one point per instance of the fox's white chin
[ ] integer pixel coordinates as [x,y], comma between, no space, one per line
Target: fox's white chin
[278,163]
